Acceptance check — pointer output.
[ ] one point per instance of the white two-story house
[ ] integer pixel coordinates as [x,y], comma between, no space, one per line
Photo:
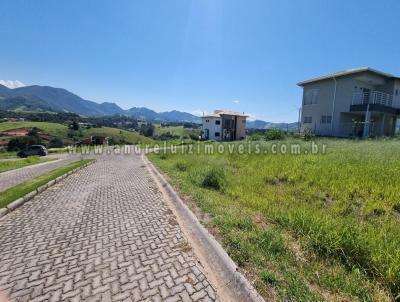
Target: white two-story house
[359,102]
[224,126]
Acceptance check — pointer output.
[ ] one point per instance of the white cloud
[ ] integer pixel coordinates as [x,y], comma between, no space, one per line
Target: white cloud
[197,112]
[236,101]
[251,117]
[12,84]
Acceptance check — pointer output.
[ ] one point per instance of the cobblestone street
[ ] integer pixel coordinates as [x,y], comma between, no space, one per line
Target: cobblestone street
[102,234]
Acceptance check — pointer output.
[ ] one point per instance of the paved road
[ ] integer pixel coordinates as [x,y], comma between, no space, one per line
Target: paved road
[102,234]
[12,178]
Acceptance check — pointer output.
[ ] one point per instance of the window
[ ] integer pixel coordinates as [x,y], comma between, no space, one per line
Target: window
[397,92]
[207,121]
[228,123]
[307,119]
[216,134]
[217,122]
[326,119]
[311,97]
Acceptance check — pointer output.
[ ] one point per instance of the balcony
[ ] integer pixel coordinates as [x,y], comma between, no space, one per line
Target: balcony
[373,101]
[374,97]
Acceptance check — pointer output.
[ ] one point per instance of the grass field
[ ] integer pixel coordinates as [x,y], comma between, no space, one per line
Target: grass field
[19,163]
[306,227]
[176,130]
[30,185]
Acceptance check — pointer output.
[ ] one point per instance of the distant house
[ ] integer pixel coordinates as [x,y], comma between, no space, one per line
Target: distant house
[358,102]
[94,140]
[224,126]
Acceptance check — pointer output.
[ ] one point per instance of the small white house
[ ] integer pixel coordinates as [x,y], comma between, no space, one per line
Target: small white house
[224,126]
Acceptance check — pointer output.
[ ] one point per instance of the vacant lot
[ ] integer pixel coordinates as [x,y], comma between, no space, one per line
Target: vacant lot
[305,227]
[177,130]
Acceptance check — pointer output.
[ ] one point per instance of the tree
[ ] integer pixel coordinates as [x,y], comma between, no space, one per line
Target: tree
[74,126]
[22,142]
[34,132]
[147,129]
[56,142]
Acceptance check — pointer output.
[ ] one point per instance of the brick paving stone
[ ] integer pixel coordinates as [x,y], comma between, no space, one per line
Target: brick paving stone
[102,234]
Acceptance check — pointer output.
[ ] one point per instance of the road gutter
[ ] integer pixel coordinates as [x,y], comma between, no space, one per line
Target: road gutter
[220,269]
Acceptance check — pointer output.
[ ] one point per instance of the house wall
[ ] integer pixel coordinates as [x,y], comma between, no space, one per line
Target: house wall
[325,93]
[241,127]
[209,124]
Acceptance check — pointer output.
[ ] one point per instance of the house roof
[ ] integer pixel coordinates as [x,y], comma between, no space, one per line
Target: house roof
[219,113]
[346,72]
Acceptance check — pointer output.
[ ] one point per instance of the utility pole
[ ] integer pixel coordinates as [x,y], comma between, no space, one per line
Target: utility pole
[367,122]
[299,121]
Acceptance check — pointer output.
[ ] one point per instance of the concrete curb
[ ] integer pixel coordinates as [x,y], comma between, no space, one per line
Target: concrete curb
[20,201]
[218,261]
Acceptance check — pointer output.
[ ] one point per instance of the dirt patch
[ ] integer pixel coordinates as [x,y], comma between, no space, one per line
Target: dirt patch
[260,221]
[184,247]
[172,221]
[328,200]
[190,281]
[17,132]
[328,296]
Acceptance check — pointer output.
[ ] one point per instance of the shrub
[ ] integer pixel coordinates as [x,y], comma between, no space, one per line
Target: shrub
[274,134]
[194,136]
[307,134]
[181,166]
[56,142]
[211,177]
[268,278]
[254,137]
[166,136]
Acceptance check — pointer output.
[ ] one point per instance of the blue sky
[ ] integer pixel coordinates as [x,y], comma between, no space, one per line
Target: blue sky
[195,55]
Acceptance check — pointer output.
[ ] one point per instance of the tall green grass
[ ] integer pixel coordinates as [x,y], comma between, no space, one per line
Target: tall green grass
[343,206]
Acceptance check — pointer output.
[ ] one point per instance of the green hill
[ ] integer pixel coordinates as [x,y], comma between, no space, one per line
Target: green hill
[68,136]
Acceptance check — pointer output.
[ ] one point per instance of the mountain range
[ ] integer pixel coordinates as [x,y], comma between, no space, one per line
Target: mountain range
[50,99]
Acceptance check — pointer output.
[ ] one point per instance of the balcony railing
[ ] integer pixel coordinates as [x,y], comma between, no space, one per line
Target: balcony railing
[374,97]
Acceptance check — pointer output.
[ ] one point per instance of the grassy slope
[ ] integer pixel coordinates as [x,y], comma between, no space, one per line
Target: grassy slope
[19,163]
[306,227]
[24,188]
[128,136]
[55,129]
